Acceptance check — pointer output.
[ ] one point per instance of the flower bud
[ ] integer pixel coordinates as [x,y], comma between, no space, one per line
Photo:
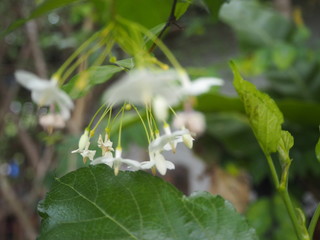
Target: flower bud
[160,108]
[188,140]
[192,120]
[84,140]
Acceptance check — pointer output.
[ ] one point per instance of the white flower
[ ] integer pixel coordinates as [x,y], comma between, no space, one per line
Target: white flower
[83,147]
[158,161]
[167,141]
[45,93]
[117,161]
[52,121]
[192,120]
[106,145]
[198,86]
[86,153]
[188,140]
[160,108]
[84,141]
[140,86]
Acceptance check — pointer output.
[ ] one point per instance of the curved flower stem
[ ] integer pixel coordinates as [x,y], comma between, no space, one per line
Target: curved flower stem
[314,221]
[100,119]
[94,116]
[120,126]
[143,123]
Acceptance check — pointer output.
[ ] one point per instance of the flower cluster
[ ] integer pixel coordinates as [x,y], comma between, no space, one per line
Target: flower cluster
[167,141]
[156,91]
[152,89]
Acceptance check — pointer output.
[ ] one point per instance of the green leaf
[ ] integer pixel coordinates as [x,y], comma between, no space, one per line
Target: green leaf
[150,13]
[264,116]
[80,84]
[126,63]
[285,144]
[214,7]
[283,55]
[295,111]
[42,9]
[255,23]
[146,12]
[92,203]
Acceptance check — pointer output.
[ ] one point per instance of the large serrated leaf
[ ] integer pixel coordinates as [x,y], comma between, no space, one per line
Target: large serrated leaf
[92,203]
[264,115]
[80,84]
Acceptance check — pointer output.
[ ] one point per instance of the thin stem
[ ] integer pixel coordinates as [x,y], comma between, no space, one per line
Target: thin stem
[314,221]
[149,122]
[109,120]
[158,42]
[274,174]
[84,57]
[120,126]
[76,53]
[100,119]
[171,19]
[292,213]
[144,125]
[94,116]
[283,191]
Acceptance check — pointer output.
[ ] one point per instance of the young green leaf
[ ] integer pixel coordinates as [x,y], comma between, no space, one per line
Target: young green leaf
[80,84]
[264,115]
[285,144]
[92,203]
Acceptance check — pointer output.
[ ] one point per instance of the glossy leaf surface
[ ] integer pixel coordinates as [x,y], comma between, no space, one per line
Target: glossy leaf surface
[264,115]
[92,203]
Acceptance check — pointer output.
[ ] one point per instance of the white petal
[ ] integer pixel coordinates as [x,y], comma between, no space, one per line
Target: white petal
[108,155]
[188,140]
[159,143]
[171,146]
[43,97]
[65,99]
[76,151]
[139,87]
[50,120]
[31,81]
[147,164]
[97,161]
[88,153]
[202,85]
[192,120]
[100,141]
[84,140]
[108,161]
[170,165]
[160,163]
[135,165]
[160,108]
